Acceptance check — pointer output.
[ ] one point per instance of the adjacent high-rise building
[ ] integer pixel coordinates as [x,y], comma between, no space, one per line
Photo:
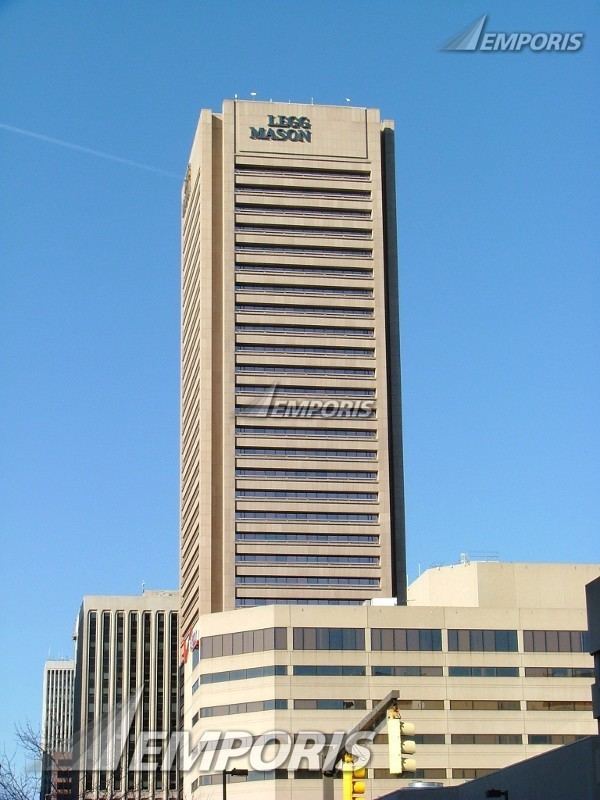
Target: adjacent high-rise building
[291,433]
[126,684]
[57,729]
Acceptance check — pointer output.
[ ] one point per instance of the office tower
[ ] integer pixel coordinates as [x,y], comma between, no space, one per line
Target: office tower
[57,728]
[291,434]
[490,659]
[126,683]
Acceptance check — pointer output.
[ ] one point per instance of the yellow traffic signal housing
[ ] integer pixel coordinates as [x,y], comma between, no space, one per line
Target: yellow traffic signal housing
[399,745]
[353,780]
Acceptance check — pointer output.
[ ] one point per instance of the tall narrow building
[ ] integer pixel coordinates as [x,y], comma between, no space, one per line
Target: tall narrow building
[291,439]
[57,729]
[126,686]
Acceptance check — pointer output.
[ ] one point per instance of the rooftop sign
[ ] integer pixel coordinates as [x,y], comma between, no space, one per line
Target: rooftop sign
[281,128]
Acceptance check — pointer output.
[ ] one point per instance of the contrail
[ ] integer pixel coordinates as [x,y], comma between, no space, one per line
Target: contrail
[88,150]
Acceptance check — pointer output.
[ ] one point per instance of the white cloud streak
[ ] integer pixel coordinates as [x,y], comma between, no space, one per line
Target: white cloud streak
[88,150]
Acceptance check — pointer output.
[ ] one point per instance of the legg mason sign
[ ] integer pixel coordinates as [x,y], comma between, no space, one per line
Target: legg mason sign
[280,128]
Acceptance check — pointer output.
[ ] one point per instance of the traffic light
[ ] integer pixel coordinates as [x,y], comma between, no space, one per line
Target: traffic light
[353,779]
[399,745]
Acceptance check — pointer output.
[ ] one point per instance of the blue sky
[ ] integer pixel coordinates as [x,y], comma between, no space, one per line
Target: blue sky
[497,163]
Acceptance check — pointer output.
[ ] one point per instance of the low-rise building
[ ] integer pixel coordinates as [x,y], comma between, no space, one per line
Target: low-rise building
[490,660]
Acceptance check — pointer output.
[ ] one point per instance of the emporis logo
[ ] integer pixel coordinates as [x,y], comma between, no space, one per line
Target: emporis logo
[276,404]
[476,39]
[115,742]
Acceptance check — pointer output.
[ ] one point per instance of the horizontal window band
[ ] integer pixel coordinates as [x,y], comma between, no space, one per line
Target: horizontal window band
[300,494]
[329,704]
[283,288]
[298,310]
[487,738]
[305,249]
[559,672]
[293,269]
[309,516]
[243,708]
[306,474]
[244,674]
[478,640]
[328,670]
[399,671]
[303,172]
[342,433]
[559,705]
[304,230]
[324,391]
[542,641]
[244,602]
[485,705]
[302,211]
[293,410]
[217,778]
[311,350]
[305,580]
[417,705]
[304,558]
[406,639]
[307,350]
[304,452]
[290,369]
[323,638]
[554,738]
[333,192]
[483,672]
[304,330]
[318,538]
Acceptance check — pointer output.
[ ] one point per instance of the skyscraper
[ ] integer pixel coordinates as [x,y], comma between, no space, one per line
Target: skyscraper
[57,728]
[126,685]
[291,438]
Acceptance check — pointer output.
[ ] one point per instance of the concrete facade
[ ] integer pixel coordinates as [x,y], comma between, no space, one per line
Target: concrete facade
[57,728]
[498,676]
[127,661]
[291,437]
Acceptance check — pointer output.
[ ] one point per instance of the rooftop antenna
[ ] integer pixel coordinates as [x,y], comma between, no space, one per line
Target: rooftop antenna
[252,94]
[143,586]
[235,97]
[312,101]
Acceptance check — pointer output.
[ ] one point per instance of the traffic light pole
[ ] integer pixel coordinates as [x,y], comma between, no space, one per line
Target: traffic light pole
[370,722]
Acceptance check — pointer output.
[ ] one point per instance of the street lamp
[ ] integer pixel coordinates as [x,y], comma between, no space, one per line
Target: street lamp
[497,793]
[235,771]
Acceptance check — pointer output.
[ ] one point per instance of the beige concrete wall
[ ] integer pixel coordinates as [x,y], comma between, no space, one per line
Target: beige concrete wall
[446,756]
[492,584]
[226,167]
[91,735]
